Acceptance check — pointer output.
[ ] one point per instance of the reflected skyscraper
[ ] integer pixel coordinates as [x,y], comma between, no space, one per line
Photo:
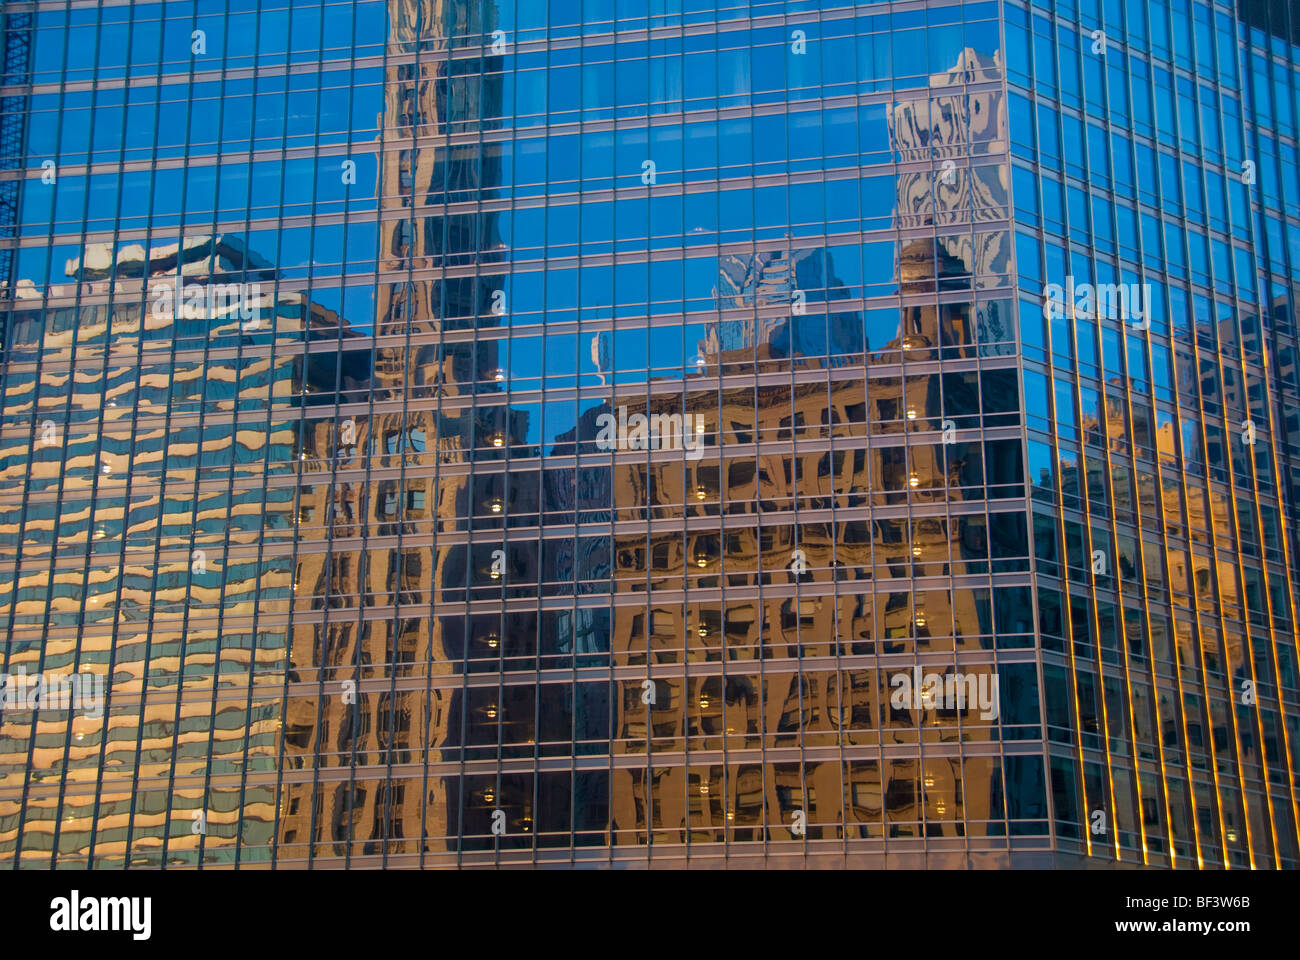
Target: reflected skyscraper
[312,345]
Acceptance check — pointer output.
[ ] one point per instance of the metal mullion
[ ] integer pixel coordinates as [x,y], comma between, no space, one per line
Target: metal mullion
[399,591]
[122,560]
[1074,688]
[1257,248]
[1136,491]
[1218,616]
[204,405]
[1199,640]
[1114,532]
[1074,669]
[505,477]
[729,791]
[363,486]
[686,647]
[162,485]
[1059,533]
[1195,346]
[432,442]
[296,506]
[328,564]
[386,789]
[793,517]
[1268,615]
[1248,658]
[93,491]
[1177,666]
[1214,557]
[91,504]
[1181,472]
[312,790]
[1151,660]
[1085,509]
[56,510]
[138,359]
[1091,585]
[838,705]
[363,489]
[444,141]
[328,573]
[230,494]
[285,695]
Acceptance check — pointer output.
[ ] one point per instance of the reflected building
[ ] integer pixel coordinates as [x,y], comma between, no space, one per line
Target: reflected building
[371,586]
[152,487]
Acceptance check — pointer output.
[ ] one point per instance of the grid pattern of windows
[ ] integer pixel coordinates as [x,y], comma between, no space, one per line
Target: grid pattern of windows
[463,432]
[1152,144]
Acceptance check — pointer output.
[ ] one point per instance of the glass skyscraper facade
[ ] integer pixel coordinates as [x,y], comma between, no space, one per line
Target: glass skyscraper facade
[1162,446]
[447,433]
